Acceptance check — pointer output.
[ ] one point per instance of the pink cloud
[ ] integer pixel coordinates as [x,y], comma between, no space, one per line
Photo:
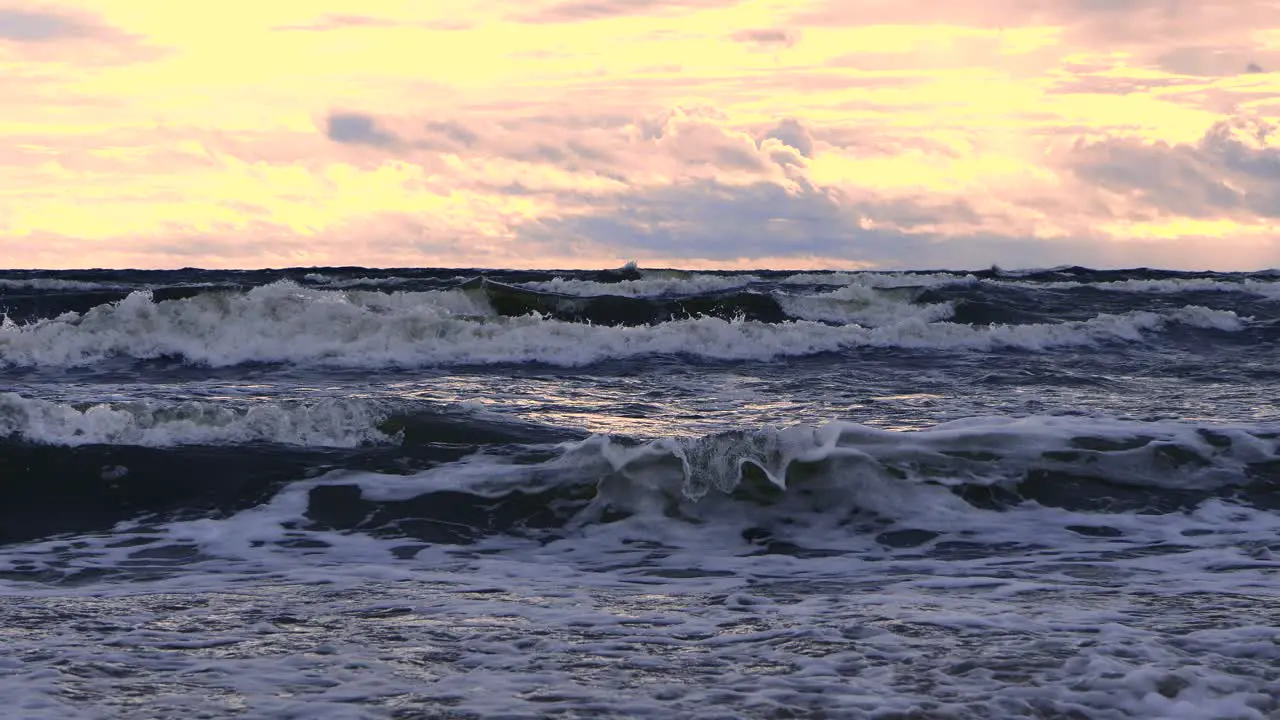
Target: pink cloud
[328,23]
[571,11]
[1233,171]
[768,37]
[67,36]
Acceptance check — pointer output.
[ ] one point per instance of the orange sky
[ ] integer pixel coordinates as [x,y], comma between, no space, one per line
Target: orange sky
[692,133]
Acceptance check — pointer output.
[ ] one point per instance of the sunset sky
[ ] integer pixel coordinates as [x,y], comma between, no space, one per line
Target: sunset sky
[686,133]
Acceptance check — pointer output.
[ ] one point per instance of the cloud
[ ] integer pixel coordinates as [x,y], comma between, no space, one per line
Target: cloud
[1212,61]
[1233,171]
[454,131]
[684,182]
[774,37]
[1141,31]
[712,220]
[572,11]
[1110,84]
[340,22]
[688,183]
[358,129]
[705,218]
[725,226]
[28,26]
[328,23]
[44,36]
[519,152]
[904,132]
[792,133]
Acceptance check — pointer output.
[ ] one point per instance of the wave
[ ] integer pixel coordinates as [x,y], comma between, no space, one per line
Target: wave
[769,481]
[516,301]
[653,285]
[718,297]
[322,423]
[881,279]
[56,284]
[86,467]
[986,451]
[286,323]
[870,306]
[328,423]
[49,303]
[1268,289]
[761,476]
[342,283]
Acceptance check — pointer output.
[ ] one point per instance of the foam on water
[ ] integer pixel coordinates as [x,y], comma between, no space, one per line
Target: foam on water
[654,286]
[326,422]
[55,284]
[1164,286]
[1097,538]
[880,279]
[338,283]
[284,323]
[878,594]
[984,450]
[864,305]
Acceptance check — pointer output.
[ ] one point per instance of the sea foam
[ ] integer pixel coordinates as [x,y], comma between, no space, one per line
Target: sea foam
[327,422]
[285,323]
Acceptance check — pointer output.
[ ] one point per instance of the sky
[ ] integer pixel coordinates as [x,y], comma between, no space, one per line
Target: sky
[677,133]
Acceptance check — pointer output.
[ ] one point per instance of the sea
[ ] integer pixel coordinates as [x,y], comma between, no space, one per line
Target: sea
[349,493]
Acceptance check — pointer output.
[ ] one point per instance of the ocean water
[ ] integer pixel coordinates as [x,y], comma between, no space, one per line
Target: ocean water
[357,493]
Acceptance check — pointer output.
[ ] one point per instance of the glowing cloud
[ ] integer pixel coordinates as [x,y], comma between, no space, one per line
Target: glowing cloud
[883,133]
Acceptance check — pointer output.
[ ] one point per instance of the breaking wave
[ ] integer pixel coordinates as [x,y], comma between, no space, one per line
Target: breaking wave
[322,423]
[462,477]
[285,323]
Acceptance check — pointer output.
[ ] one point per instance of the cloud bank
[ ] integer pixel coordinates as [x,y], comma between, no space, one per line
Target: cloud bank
[697,133]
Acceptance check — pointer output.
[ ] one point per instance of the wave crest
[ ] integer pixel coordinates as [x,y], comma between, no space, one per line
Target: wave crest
[321,423]
[285,323]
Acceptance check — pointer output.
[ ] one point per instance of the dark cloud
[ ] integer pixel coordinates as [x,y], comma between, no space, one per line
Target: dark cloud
[1253,67]
[792,132]
[68,36]
[358,129]
[28,26]
[710,220]
[571,11]
[1234,170]
[767,36]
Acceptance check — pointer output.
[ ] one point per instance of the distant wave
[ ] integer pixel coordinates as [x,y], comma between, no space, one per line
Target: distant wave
[654,286]
[1166,286]
[55,284]
[286,323]
[880,279]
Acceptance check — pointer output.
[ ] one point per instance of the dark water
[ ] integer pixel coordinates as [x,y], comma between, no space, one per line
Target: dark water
[351,493]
